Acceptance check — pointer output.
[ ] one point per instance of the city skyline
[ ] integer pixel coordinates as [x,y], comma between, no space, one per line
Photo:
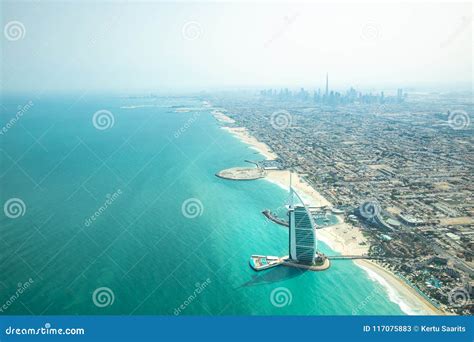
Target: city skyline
[207,46]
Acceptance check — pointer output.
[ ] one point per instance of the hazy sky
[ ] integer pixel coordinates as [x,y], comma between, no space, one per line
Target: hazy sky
[134,46]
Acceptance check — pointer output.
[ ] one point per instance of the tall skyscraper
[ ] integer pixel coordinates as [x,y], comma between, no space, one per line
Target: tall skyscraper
[327,84]
[302,242]
[399,94]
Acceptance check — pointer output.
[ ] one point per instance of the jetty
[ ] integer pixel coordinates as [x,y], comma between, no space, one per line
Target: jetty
[273,217]
[365,256]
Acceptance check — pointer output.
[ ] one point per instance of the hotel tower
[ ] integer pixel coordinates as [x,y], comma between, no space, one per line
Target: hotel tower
[302,242]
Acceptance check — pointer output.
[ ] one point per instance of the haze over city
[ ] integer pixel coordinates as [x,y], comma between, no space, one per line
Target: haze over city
[197,46]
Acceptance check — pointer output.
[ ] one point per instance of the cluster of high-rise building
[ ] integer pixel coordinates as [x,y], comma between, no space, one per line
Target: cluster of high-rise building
[331,97]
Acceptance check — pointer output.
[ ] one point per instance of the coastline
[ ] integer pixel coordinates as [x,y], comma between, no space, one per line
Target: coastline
[309,195]
[243,135]
[343,237]
[399,292]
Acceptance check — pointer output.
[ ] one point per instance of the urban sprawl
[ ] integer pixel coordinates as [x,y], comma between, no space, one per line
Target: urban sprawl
[398,164]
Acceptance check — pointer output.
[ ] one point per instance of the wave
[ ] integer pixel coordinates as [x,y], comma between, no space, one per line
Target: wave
[393,295]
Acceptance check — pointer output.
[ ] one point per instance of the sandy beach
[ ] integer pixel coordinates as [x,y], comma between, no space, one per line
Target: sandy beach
[220,116]
[409,300]
[310,196]
[343,237]
[244,136]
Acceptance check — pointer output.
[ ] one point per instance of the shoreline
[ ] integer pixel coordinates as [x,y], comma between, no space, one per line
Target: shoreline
[399,292]
[342,238]
[243,135]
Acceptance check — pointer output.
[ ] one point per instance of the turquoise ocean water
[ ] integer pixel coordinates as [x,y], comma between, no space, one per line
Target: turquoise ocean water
[151,258]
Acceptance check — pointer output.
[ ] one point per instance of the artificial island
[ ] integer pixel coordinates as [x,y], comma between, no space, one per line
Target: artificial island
[302,242]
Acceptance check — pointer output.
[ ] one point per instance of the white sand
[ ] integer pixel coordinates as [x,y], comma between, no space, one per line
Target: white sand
[222,117]
[244,136]
[310,196]
[399,292]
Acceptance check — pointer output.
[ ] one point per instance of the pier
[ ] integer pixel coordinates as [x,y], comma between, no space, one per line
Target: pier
[351,257]
[367,257]
[269,215]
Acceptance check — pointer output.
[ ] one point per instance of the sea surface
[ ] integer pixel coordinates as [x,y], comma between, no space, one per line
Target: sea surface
[126,216]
